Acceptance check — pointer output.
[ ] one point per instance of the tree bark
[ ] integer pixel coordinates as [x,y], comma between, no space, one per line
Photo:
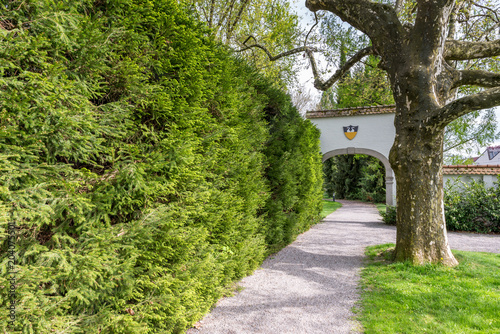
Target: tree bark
[416,158]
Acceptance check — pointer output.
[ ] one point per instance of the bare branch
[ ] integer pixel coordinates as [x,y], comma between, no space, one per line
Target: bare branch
[477,78]
[488,9]
[452,26]
[460,143]
[310,30]
[281,55]
[224,15]
[324,85]
[486,99]
[318,83]
[238,17]
[462,50]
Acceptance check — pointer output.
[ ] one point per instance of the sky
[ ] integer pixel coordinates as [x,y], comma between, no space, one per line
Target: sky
[305,75]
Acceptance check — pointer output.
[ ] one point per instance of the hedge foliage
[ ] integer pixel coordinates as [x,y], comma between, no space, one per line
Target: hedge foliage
[145,167]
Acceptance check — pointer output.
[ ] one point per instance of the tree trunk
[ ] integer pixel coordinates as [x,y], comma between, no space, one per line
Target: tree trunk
[416,158]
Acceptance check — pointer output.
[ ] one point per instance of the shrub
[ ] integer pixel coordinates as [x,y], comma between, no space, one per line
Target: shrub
[389,216]
[472,207]
[468,207]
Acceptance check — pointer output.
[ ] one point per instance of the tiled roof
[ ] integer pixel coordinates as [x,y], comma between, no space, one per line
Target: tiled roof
[471,170]
[388,109]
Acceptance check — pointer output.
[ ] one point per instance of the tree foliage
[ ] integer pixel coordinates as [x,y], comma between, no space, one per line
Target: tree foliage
[365,86]
[141,163]
[355,177]
[273,22]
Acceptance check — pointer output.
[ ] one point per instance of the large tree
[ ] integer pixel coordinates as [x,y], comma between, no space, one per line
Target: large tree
[426,66]
[418,56]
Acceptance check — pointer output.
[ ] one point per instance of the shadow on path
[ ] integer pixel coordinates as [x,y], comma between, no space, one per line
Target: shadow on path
[311,285]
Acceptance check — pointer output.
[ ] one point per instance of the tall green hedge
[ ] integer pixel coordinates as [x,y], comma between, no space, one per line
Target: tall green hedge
[145,167]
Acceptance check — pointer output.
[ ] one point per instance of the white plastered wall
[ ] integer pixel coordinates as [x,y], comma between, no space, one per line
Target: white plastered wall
[375,137]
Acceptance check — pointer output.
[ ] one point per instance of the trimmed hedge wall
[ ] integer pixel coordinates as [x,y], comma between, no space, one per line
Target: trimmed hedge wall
[146,168]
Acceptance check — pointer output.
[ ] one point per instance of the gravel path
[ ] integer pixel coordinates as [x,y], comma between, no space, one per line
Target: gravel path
[310,286]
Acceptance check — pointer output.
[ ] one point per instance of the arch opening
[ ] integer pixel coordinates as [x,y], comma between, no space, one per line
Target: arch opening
[390,186]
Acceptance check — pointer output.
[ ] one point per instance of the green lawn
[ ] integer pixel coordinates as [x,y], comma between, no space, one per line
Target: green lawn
[401,298]
[381,207]
[329,207]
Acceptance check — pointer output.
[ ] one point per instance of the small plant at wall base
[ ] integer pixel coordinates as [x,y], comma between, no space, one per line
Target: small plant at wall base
[389,215]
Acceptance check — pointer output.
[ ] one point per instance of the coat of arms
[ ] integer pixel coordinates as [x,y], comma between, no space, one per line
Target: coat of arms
[350,131]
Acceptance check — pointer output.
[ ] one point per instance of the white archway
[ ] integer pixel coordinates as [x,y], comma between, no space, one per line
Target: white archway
[374,136]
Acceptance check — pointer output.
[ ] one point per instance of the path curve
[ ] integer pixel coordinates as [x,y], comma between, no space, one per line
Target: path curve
[310,286]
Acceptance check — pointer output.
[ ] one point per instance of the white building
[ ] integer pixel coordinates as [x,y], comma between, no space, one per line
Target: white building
[370,130]
[466,173]
[489,157]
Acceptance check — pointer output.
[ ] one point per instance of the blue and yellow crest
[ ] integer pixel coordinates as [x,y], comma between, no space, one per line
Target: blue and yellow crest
[351,131]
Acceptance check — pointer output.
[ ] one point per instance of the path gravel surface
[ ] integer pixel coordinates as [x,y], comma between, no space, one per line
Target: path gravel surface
[311,285]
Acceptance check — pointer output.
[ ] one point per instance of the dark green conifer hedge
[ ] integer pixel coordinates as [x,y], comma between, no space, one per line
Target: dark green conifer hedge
[146,168]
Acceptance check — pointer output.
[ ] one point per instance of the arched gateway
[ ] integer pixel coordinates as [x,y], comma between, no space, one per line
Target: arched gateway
[363,130]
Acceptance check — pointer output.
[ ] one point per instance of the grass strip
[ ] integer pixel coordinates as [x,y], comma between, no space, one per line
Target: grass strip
[381,207]
[329,207]
[402,298]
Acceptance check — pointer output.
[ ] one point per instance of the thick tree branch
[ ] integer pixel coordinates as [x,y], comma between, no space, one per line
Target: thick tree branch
[379,21]
[324,85]
[486,99]
[281,55]
[398,6]
[462,50]
[429,31]
[477,78]
[211,17]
